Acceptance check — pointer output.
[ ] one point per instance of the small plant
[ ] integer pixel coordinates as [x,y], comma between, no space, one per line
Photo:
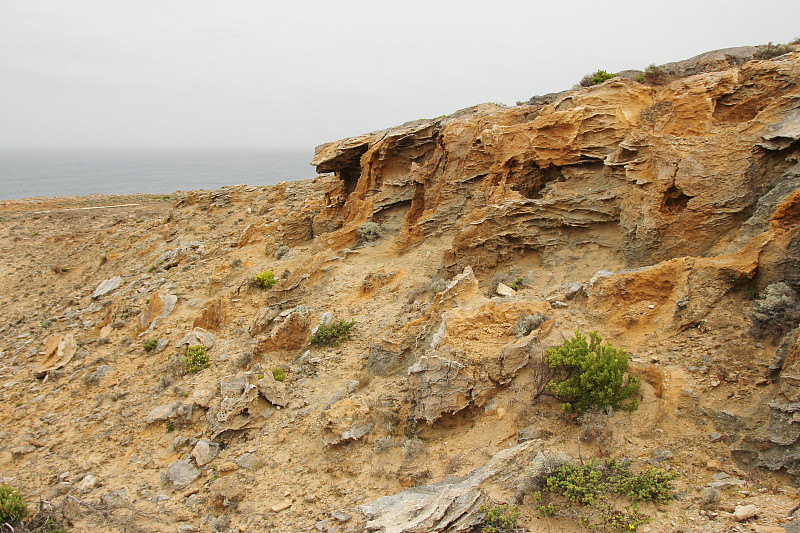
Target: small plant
[769,50]
[260,375]
[265,280]
[518,284]
[18,404]
[12,506]
[655,75]
[150,345]
[281,250]
[593,375]
[596,78]
[527,323]
[776,310]
[169,425]
[332,334]
[196,358]
[278,374]
[369,231]
[639,78]
[499,518]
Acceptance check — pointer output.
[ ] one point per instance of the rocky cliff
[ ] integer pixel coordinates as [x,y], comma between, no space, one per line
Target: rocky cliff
[663,213]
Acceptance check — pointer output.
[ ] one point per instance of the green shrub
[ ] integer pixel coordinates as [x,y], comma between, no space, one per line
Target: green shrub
[499,518]
[369,231]
[150,345]
[12,506]
[278,374]
[596,78]
[593,375]
[266,279]
[518,284]
[196,358]
[332,334]
[589,487]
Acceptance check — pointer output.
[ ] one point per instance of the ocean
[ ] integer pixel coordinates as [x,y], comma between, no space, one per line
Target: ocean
[66,172]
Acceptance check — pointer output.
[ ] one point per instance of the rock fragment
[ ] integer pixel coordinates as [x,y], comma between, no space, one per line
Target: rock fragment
[106,286]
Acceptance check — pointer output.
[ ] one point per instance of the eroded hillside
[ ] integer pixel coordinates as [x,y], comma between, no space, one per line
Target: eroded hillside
[652,213]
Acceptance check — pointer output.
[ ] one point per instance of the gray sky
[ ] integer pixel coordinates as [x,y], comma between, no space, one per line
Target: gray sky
[200,73]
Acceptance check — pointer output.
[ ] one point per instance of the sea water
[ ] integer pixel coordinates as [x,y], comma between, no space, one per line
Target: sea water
[66,172]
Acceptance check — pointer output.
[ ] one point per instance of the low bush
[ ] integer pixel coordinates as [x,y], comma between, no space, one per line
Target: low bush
[776,310]
[278,374]
[12,506]
[596,78]
[655,75]
[281,250]
[527,323]
[769,50]
[266,279]
[332,334]
[591,486]
[150,345]
[369,232]
[499,518]
[196,358]
[591,375]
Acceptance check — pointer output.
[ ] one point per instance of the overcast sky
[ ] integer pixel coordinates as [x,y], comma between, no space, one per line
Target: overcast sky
[248,73]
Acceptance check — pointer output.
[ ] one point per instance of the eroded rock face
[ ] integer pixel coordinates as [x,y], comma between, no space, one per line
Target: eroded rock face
[656,172]
[472,353]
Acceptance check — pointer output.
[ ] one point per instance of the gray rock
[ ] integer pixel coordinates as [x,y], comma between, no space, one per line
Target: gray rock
[715,436]
[452,504]
[205,451]
[106,286]
[249,461]
[186,528]
[659,455]
[340,516]
[162,343]
[574,290]
[181,473]
[233,386]
[162,412]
